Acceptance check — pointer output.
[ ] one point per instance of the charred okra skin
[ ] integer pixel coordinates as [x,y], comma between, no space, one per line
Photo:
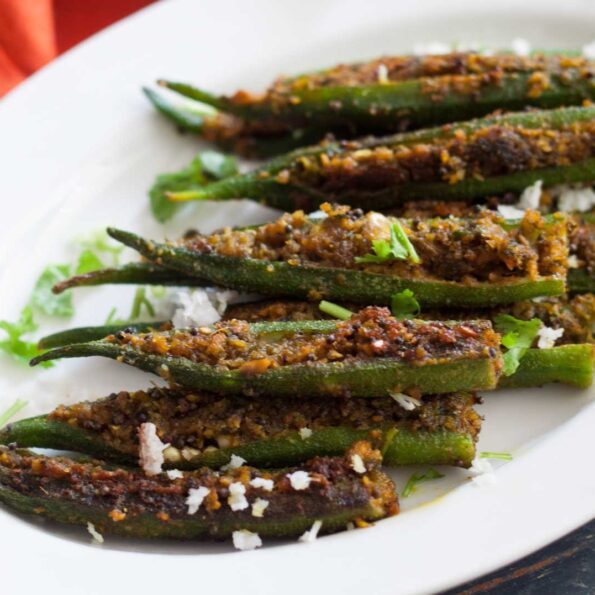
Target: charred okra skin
[461,161]
[127,502]
[369,355]
[463,262]
[206,429]
[385,95]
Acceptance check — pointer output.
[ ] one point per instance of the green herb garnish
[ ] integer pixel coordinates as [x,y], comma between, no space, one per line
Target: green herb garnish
[505,456]
[418,478]
[47,302]
[205,167]
[404,305]
[14,344]
[9,413]
[88,261]
[335,311]
[140,301]
[517,337]
[398,248]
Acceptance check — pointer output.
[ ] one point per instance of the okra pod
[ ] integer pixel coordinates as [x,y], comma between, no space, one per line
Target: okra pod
[567,364]
[473,262]
[461,161]
[275,432]
[385,95]
[580,281]
[369,355]
[126,502]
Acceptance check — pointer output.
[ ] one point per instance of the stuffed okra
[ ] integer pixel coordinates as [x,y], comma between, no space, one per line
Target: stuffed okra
[366,258]
[372,354]
[205,429]
[388,94]
[201,504]
[464,160]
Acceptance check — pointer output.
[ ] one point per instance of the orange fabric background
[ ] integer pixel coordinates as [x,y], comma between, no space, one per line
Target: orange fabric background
[33,32]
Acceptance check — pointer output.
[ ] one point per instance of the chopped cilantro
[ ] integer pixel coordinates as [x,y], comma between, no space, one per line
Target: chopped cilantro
[418,478]
[140,301]
[205,167]
[335,311]
[47,302]
[404,305]
[14,344]
[100,242]
[517,337]
[398,248]
[9,413]
[88,261]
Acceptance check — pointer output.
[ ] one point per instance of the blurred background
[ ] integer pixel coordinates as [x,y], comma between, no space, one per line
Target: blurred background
[34,32]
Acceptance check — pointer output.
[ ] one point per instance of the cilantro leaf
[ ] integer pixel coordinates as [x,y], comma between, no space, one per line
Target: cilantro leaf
[14,344]
[140,301]
[100,243]
[205,167]
[398,248]
[418,478]
[44,300]
[517,337]
[88,261]
[404,305]
[505,456]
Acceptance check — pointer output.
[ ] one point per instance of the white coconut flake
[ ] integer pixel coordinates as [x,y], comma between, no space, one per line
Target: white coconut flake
[589,50]
[548,336]
[573,261]
[531,196]
[357,464]
[195,309]
[299,480]
[571,199]
[195,498]
[305,433]
[174,474]
[407,402]
[259,506]
[150,449]
[482,472]
[317,215]
[234,463]
[311,535]
[510,212]
[521,47]
[382,73]
[97,537]
[265,484]
[246,540]
[237,500]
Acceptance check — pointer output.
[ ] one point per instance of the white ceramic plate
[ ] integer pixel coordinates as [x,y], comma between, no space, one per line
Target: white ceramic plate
[79,147]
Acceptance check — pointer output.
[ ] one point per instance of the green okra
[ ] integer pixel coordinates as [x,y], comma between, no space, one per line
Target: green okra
[580,281]
[333,283]
[567,364]
[129,503]
[460,161]
[384,95]
[310,359]
[439,431]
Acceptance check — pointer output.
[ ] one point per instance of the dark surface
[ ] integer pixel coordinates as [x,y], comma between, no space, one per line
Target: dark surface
[566,567]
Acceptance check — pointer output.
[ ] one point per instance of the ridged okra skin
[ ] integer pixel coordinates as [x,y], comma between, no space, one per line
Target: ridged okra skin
[275,432]
[127,502]
[466,160]
[367,356]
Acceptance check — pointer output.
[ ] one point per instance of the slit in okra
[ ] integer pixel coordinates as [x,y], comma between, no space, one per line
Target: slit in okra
[368,355]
